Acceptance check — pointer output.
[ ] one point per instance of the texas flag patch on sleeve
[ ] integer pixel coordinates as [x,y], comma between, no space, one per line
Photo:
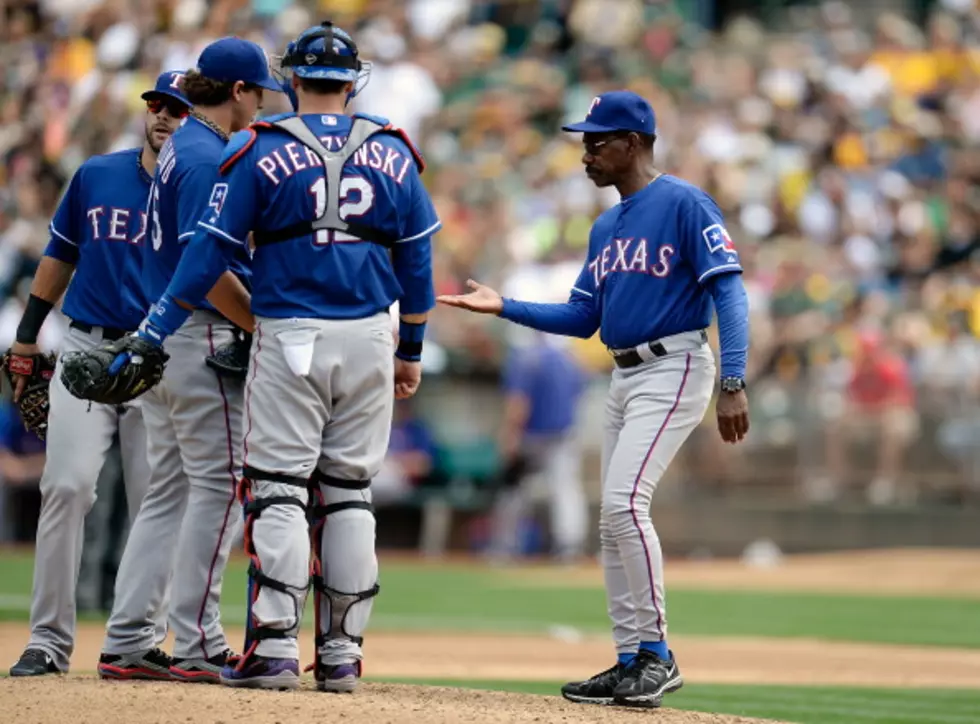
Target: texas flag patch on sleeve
[717,238]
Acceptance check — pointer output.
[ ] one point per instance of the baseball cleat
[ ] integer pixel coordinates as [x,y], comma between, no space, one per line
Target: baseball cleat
[152,665]
[34,662]
[597,690]
[338,678]
[263,673]
[647,680]
[200,670]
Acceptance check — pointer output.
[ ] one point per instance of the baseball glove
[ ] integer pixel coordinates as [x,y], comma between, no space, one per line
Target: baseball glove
[231,359]
[114,372]
[33,403]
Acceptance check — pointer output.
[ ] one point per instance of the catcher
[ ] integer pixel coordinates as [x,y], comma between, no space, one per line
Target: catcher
[95,253]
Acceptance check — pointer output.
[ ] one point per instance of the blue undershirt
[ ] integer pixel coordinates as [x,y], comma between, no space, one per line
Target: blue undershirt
[576,318]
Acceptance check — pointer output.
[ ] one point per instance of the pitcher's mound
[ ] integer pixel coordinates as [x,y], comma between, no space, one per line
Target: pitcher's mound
[86,700]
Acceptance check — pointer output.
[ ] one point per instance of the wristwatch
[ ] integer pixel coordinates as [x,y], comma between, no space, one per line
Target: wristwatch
[732,384]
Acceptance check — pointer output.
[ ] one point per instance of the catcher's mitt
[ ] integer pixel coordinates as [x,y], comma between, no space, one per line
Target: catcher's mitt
[114,372]
[34,400]
[231,359]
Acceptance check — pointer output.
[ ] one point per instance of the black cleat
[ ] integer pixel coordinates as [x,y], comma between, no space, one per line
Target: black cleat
[199,670]
[646,681]
[153,665]
[34,662]
[597,690]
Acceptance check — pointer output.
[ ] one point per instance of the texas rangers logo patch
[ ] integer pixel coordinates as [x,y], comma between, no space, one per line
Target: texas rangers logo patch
[717,238]
[218,195]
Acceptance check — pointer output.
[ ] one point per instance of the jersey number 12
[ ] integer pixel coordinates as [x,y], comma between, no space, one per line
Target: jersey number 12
[356,198]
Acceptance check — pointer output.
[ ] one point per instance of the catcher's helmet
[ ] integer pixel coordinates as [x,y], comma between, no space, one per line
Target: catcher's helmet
[327,53]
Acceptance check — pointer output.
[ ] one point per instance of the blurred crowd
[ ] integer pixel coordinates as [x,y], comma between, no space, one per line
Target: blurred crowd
[840,139]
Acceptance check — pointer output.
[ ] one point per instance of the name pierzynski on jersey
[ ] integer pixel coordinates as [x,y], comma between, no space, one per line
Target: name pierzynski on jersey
[631,255]
[291,157]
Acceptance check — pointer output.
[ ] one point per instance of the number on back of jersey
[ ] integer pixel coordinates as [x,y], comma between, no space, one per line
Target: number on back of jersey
[356,199]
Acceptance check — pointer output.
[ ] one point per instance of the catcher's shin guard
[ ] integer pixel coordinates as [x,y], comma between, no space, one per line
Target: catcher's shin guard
[329,497]
[286,490]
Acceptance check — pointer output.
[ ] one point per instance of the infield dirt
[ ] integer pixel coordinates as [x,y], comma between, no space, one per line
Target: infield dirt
[82,699]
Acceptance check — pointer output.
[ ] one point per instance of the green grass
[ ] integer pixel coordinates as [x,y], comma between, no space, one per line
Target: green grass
[475,598]
[802,704]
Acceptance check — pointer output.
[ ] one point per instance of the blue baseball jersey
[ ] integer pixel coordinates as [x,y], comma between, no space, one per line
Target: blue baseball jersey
[277,182]
[185,174]
[551,381]
[649,259]
[99,227]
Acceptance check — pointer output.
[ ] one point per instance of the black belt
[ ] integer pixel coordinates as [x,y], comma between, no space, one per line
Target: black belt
[632,358]
[110,333]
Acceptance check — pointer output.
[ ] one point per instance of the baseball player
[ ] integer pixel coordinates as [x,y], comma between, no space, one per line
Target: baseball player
[659,260]
[190,516]
[95,254]
[327,198]
[542,384]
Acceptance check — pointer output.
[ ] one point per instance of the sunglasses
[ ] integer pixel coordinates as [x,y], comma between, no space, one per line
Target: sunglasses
[174,108]
[593,147]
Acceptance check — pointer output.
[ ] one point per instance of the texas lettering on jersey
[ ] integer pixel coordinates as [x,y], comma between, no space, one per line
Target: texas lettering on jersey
[116,224]
[631,255]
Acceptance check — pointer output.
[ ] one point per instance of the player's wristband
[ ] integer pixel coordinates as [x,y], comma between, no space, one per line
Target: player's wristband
[164,319]
[410,338]
[33,319]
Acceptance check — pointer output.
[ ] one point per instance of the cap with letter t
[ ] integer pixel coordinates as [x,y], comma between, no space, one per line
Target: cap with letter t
[617,111]
[167,85]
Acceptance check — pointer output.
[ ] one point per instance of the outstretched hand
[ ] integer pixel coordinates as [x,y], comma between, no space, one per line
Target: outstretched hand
[482,299]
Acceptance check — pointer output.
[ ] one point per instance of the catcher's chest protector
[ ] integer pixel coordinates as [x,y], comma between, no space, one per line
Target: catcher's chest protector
[333,164]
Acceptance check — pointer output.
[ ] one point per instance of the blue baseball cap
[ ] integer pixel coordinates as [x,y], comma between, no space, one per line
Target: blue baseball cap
[232,59]
[617,111]
[168,84]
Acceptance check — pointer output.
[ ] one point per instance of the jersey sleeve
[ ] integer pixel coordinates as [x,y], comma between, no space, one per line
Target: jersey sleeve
[412,254]
[706,241]
[584,287]
[65,232]
[195,194]
[421,219]
[231,207]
